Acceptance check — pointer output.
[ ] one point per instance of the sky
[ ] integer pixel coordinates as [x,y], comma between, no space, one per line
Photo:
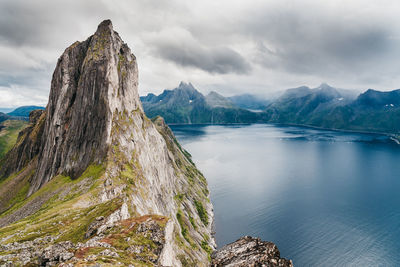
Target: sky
[229,46]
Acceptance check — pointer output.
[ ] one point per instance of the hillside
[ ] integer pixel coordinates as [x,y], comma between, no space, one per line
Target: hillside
[20,113]
[24,111]
[302,105]
[9,131]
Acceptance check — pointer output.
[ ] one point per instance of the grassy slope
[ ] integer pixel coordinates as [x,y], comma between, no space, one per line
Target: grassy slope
[9,134]
[62,209]
[65,216]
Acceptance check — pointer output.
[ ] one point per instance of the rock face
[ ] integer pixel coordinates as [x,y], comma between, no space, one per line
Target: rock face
[93,81]
[249,251]
[88,168]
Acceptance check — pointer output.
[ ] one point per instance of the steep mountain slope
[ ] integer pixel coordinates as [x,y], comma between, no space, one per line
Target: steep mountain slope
[24,111]
[214,100]
[328,107]
[373,111]
[304,105]
[93,180]
[185,104]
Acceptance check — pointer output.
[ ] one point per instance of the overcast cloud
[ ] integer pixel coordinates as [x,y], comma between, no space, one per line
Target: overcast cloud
[229,46]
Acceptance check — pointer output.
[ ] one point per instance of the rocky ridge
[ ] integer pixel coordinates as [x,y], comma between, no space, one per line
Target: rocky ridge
[82,176]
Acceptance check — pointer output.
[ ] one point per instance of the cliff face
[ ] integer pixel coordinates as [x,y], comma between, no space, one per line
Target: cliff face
[94,180]
[93,82]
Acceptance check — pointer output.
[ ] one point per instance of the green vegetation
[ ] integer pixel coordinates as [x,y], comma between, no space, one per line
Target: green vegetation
[202,212]
[207,248]
[60,197]
[77,229]
[9,134]
[184,230]
[192,222]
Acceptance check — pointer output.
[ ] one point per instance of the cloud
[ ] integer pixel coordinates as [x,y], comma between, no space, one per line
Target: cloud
[320,39]
[180,47]
[14,96]
[234,45]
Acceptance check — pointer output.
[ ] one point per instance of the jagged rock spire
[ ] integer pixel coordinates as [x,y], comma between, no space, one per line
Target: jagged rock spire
[93,80]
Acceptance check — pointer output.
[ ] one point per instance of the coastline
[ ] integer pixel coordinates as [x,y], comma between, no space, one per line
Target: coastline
[392,136]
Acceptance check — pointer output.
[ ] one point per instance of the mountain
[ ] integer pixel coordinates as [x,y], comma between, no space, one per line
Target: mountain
[372,99]
[92,180]
[24,111]
[3,117]
[303,105]
[248,101]
[372,111]
[214,100]
[185,104]
[21,113]
[331,108]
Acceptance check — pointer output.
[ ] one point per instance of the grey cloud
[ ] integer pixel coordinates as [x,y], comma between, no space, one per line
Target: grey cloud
[314,41]
[276,44]
[220,60]
[46,23]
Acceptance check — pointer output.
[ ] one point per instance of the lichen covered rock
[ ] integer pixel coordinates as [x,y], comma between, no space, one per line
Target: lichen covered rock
[249,251]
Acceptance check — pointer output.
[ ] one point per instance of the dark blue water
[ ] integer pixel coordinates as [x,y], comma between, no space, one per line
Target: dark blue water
[325,198]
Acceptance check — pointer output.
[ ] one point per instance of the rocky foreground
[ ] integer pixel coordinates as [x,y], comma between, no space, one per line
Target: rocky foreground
[249,251]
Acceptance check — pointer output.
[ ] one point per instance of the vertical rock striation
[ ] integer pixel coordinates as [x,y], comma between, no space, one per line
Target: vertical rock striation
[92,81]
[101,174]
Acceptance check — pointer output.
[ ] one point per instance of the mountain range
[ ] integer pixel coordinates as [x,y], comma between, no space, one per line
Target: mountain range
[185,104]
[20,113]
[327,107]
[323,106]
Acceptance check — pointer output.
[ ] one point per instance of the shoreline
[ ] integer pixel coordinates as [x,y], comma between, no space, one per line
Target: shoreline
[394,137]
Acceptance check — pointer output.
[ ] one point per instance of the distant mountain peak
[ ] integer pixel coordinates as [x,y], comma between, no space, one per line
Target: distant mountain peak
[187,86]
[324,86]
[214,99]
[213,93]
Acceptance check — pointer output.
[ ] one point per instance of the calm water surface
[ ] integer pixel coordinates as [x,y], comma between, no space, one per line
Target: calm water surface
[325,198]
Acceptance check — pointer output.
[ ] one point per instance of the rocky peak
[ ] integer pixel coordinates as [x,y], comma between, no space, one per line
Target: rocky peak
[328,90]
[92,82]
[92,168]
[184,85]
[34,115]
